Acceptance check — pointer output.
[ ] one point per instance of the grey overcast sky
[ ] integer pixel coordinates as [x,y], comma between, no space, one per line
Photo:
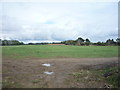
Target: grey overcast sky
[47,22]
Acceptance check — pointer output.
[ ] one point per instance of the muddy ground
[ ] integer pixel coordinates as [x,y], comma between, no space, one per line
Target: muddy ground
[29,73]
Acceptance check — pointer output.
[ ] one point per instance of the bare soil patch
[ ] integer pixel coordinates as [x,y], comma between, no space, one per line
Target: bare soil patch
[30,73]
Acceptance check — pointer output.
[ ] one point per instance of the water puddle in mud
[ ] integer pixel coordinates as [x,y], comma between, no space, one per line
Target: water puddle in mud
[46,64]
[49,73]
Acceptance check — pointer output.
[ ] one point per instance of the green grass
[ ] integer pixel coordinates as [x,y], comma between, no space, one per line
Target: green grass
[86,76]
[112,79]
[7,82]
[58,51]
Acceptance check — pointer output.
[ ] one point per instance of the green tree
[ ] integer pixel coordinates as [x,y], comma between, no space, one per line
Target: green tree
[80,41]
[87,42]
[4,42]
[0,42]
[118,41]
[11,42]
[110,42]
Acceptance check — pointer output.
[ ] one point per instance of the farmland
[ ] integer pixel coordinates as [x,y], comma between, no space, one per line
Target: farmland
[72,66]
[58,51]
[59,44]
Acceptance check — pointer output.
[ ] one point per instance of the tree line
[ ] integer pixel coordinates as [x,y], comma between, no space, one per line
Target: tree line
[80,42]
[10,42]
[86,42]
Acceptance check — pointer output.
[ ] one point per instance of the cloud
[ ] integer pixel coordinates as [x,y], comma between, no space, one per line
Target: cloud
[41,22]
[59,1]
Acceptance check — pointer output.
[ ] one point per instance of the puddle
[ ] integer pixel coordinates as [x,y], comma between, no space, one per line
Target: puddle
[47,65]
[49,73]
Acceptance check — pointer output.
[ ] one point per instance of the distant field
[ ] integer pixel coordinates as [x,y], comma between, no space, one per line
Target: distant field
[58,51]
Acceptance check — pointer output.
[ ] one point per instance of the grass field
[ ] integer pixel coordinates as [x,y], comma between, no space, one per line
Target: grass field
[74,66]
[58,51]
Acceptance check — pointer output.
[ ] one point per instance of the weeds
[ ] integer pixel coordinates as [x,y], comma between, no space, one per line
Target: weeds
[97,76]
[112,75]
[9,83]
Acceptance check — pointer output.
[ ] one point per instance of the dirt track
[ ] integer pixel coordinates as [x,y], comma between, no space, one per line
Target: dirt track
[30,73]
